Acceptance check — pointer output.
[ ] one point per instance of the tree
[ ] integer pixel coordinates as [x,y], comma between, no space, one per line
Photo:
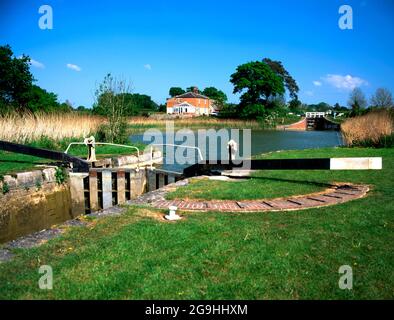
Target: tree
[217,95]
[191,89]
[162,107]
[176,91]
[289,81]
[110,99]
[41,100]
[16,79]
[357,101]
[257,82]
[295,105]
[382,98]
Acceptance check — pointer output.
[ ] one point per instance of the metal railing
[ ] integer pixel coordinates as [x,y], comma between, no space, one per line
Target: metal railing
[104,143]
[173,145]
[138,150]
[107,144]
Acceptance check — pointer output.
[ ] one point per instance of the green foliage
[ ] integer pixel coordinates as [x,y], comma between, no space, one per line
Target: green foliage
[251,111]
[295,106]
[38,184]
[176,91]
[134,104]
[16,79]
[60,175]
[112,100]
[162,107]
[41,100]
[217,95]
[257,82]
[108,134]
[320,107]
[191,89]
[17,91]
[280,70]
[5,187]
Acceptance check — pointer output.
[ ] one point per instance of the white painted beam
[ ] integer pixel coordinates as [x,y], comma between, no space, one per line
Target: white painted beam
[356,163]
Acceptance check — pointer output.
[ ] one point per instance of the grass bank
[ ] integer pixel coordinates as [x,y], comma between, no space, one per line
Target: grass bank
[288,255]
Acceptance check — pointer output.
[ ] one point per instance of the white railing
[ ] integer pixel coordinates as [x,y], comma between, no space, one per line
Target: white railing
[315,114]
[104,143]
[108,144]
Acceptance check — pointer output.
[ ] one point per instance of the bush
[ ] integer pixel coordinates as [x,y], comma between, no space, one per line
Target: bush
[106,133]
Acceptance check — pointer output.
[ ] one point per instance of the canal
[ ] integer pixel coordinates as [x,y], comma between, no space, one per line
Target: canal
[261,141]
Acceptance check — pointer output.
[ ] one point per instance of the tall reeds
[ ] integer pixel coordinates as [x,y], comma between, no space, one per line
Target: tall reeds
[372,129]
[194,122]
[31,127]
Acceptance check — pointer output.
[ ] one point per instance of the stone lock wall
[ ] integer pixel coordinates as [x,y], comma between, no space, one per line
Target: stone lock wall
[33,202]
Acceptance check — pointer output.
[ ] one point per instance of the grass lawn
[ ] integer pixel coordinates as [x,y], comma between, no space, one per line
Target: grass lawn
[289,255]
[14,162]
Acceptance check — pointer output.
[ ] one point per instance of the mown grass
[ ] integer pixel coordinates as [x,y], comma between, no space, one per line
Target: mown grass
[288,255]
[259,186]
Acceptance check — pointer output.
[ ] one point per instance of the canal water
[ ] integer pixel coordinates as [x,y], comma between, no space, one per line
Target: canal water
[261,141]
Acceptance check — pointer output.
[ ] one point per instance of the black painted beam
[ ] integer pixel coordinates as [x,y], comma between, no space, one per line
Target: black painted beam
[79,165]
[268,164]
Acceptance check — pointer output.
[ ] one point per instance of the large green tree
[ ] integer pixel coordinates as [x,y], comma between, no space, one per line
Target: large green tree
[15,78]
[134,104]
[289,81]
[41,100]
[215,94]
[176,91]
[257,83]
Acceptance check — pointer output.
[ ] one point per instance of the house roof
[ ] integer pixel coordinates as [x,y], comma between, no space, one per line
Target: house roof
[191,95]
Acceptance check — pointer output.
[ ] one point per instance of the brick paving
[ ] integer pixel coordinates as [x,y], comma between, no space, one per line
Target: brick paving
[338,193]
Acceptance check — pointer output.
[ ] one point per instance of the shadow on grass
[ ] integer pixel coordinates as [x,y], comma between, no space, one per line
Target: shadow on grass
[305,182]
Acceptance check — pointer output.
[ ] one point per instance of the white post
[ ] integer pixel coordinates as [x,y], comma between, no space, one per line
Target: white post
[173,216]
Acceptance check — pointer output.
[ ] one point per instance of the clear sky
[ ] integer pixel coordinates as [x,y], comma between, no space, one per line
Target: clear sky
[159,44]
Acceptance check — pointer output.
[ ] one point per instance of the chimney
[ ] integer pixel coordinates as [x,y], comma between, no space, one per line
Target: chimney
[195,90]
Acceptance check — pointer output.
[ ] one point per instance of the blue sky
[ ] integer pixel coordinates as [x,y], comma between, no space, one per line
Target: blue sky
[159,44]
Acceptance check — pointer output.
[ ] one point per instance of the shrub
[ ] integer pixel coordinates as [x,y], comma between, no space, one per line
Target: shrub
[60,175]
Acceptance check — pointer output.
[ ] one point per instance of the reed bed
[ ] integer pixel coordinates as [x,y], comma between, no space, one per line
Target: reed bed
[32,127]
[193,122]
[373,129]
